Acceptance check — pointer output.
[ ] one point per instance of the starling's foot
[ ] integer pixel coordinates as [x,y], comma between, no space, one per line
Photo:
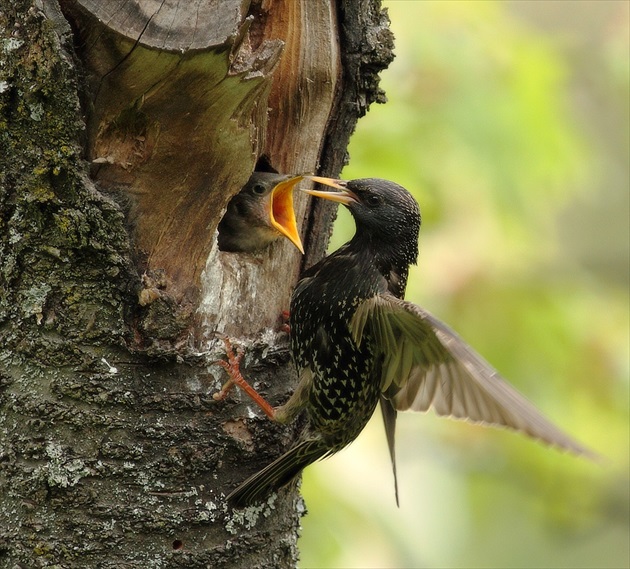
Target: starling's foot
[284,318]
[225,388]
[232,366]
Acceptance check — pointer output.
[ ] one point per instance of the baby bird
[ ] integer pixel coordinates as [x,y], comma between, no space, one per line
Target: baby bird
[259,214]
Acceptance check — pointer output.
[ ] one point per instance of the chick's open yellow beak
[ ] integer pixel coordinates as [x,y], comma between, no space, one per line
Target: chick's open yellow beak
[281,212]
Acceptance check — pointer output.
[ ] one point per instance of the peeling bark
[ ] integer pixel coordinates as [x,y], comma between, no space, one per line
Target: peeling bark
[179,115]
[121,140]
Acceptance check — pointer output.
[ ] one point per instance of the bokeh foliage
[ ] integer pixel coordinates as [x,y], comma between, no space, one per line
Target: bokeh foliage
[509,123]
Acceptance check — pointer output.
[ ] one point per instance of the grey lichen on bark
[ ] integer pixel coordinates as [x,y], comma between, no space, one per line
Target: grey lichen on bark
[113,451]
[107,456]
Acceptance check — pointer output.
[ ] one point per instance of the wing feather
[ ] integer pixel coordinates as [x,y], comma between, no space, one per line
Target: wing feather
[428,366]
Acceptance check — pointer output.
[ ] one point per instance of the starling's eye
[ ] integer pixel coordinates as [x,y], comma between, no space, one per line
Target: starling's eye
[372,200]
[259,189]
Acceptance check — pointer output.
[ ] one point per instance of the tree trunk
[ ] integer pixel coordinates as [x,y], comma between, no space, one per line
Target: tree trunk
[125,128]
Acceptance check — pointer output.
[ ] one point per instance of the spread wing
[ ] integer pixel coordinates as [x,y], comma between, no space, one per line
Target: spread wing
[428,366]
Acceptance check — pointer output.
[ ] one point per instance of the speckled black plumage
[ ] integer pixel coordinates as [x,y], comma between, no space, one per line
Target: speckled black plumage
[339,381]
[346,378]
[356,342]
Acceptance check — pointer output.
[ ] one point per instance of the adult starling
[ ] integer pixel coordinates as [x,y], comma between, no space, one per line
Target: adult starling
[356,342]
[259,214]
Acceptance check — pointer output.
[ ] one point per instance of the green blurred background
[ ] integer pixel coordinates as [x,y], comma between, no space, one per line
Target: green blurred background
[509,123]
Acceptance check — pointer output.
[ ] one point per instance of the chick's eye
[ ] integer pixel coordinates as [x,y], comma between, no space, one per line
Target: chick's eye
[258,189]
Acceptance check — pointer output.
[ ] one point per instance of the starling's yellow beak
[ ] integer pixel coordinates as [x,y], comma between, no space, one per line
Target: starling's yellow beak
[343,196]
[281,212]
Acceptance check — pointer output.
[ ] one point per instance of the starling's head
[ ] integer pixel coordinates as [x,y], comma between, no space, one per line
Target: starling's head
[260,213]
[384,212]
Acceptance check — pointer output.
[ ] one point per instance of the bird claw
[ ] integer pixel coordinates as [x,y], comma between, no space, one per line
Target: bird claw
[225,388]
[232,367]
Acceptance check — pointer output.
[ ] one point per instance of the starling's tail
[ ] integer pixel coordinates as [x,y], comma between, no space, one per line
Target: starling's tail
[278,473]
[389,419]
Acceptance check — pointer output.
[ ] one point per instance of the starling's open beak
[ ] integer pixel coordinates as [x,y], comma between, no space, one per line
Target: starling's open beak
[281,212]
[343,196]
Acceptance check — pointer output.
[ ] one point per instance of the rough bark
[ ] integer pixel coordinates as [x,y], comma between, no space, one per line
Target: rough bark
[121,140]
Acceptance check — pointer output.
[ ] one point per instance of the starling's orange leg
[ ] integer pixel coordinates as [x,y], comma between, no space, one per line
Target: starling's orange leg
[232,366]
